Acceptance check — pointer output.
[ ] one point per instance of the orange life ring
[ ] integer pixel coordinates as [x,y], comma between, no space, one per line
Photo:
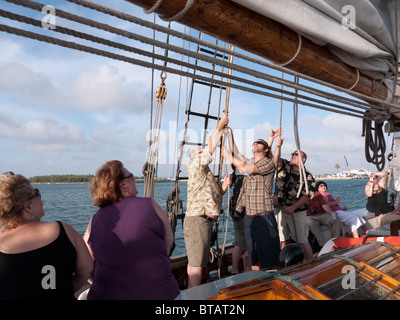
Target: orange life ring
[340,243]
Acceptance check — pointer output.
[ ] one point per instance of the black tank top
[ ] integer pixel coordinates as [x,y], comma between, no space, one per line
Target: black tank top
[43,273]
[378,203]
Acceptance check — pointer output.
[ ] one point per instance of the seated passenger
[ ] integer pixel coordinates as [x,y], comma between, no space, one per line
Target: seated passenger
[350,218]
[377,199]
[38,260]
[318,213]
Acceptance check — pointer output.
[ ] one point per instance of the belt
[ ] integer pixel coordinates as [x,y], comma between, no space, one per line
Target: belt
[207,218]
[260,214]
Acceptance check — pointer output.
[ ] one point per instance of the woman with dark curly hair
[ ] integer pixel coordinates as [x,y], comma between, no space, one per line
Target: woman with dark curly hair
[130,239]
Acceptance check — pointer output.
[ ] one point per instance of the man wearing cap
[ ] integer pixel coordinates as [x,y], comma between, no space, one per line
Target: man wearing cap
[262,238]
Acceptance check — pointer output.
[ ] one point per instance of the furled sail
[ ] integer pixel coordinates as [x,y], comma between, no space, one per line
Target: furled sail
[361,33]
[309,37]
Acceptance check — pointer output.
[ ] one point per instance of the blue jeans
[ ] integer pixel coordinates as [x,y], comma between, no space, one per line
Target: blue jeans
[262,240]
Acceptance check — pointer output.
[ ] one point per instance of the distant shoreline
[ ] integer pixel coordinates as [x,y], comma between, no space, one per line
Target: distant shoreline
[338,178]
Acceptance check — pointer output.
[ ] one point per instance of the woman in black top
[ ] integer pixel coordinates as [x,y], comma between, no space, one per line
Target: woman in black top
[38,260]
[377,195]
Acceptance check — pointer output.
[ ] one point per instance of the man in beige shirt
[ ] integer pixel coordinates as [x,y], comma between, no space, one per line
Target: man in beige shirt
[204,197]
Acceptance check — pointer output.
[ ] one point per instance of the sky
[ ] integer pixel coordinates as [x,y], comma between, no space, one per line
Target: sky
[67,112]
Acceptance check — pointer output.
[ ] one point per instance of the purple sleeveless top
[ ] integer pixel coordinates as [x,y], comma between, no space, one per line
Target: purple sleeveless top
[127,241]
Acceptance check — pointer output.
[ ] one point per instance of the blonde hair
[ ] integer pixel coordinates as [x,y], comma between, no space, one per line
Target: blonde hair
[15,192]
[105,184]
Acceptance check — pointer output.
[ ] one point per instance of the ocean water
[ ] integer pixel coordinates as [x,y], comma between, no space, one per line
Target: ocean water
[72,203]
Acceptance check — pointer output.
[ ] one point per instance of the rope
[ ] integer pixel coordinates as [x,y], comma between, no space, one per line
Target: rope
[355,83]
[375,146]
[124,16]
[154,143]
[295,55]
[225,233]
[89,4]
[120,15]
[303,175]
[180,14]
[397,54]
[154,7]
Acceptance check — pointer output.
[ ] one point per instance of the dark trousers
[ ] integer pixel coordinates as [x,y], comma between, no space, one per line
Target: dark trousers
[262,240]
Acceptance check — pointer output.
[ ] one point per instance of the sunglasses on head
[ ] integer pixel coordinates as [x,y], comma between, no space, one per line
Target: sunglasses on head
[36,195]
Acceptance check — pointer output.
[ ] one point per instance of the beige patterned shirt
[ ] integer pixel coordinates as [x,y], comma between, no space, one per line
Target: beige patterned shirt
[203,192]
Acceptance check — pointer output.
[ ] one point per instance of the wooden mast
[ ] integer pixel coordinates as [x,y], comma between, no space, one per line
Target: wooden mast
[241,27]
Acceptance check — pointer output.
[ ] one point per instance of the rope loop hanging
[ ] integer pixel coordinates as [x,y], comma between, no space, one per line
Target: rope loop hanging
[375,144]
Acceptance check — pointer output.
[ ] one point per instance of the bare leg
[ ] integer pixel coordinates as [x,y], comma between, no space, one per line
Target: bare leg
[378,219]
[308,254]
[236,255]
[246,261]
[194,276]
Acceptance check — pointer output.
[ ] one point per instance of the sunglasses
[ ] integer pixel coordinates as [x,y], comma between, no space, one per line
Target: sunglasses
[261,142]
[295,154]
[127,177]
[36,195]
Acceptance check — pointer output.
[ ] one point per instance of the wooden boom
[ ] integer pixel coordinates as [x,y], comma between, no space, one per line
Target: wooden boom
[241,27]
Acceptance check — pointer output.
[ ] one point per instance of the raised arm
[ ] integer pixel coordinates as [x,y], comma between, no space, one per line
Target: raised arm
[276,156]
[242,166]
[274,134]
[232,144]
[216,136]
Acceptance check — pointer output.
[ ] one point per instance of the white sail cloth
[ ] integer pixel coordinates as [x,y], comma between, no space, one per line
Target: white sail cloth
[365,40]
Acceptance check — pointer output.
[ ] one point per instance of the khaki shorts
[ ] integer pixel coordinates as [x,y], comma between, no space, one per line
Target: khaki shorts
[292,226]
[197,232]
[240,239]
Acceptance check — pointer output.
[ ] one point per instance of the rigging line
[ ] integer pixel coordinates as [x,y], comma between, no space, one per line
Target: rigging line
[119,57]
[152,78]
[397,53]
[95,24]
[189,96]
[227,97]
[225,232]
[177,119]
[303,176]
[123,47]
[179,50]
[130,18]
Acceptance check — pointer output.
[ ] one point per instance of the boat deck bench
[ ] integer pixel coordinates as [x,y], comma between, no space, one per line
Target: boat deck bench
[369,217]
